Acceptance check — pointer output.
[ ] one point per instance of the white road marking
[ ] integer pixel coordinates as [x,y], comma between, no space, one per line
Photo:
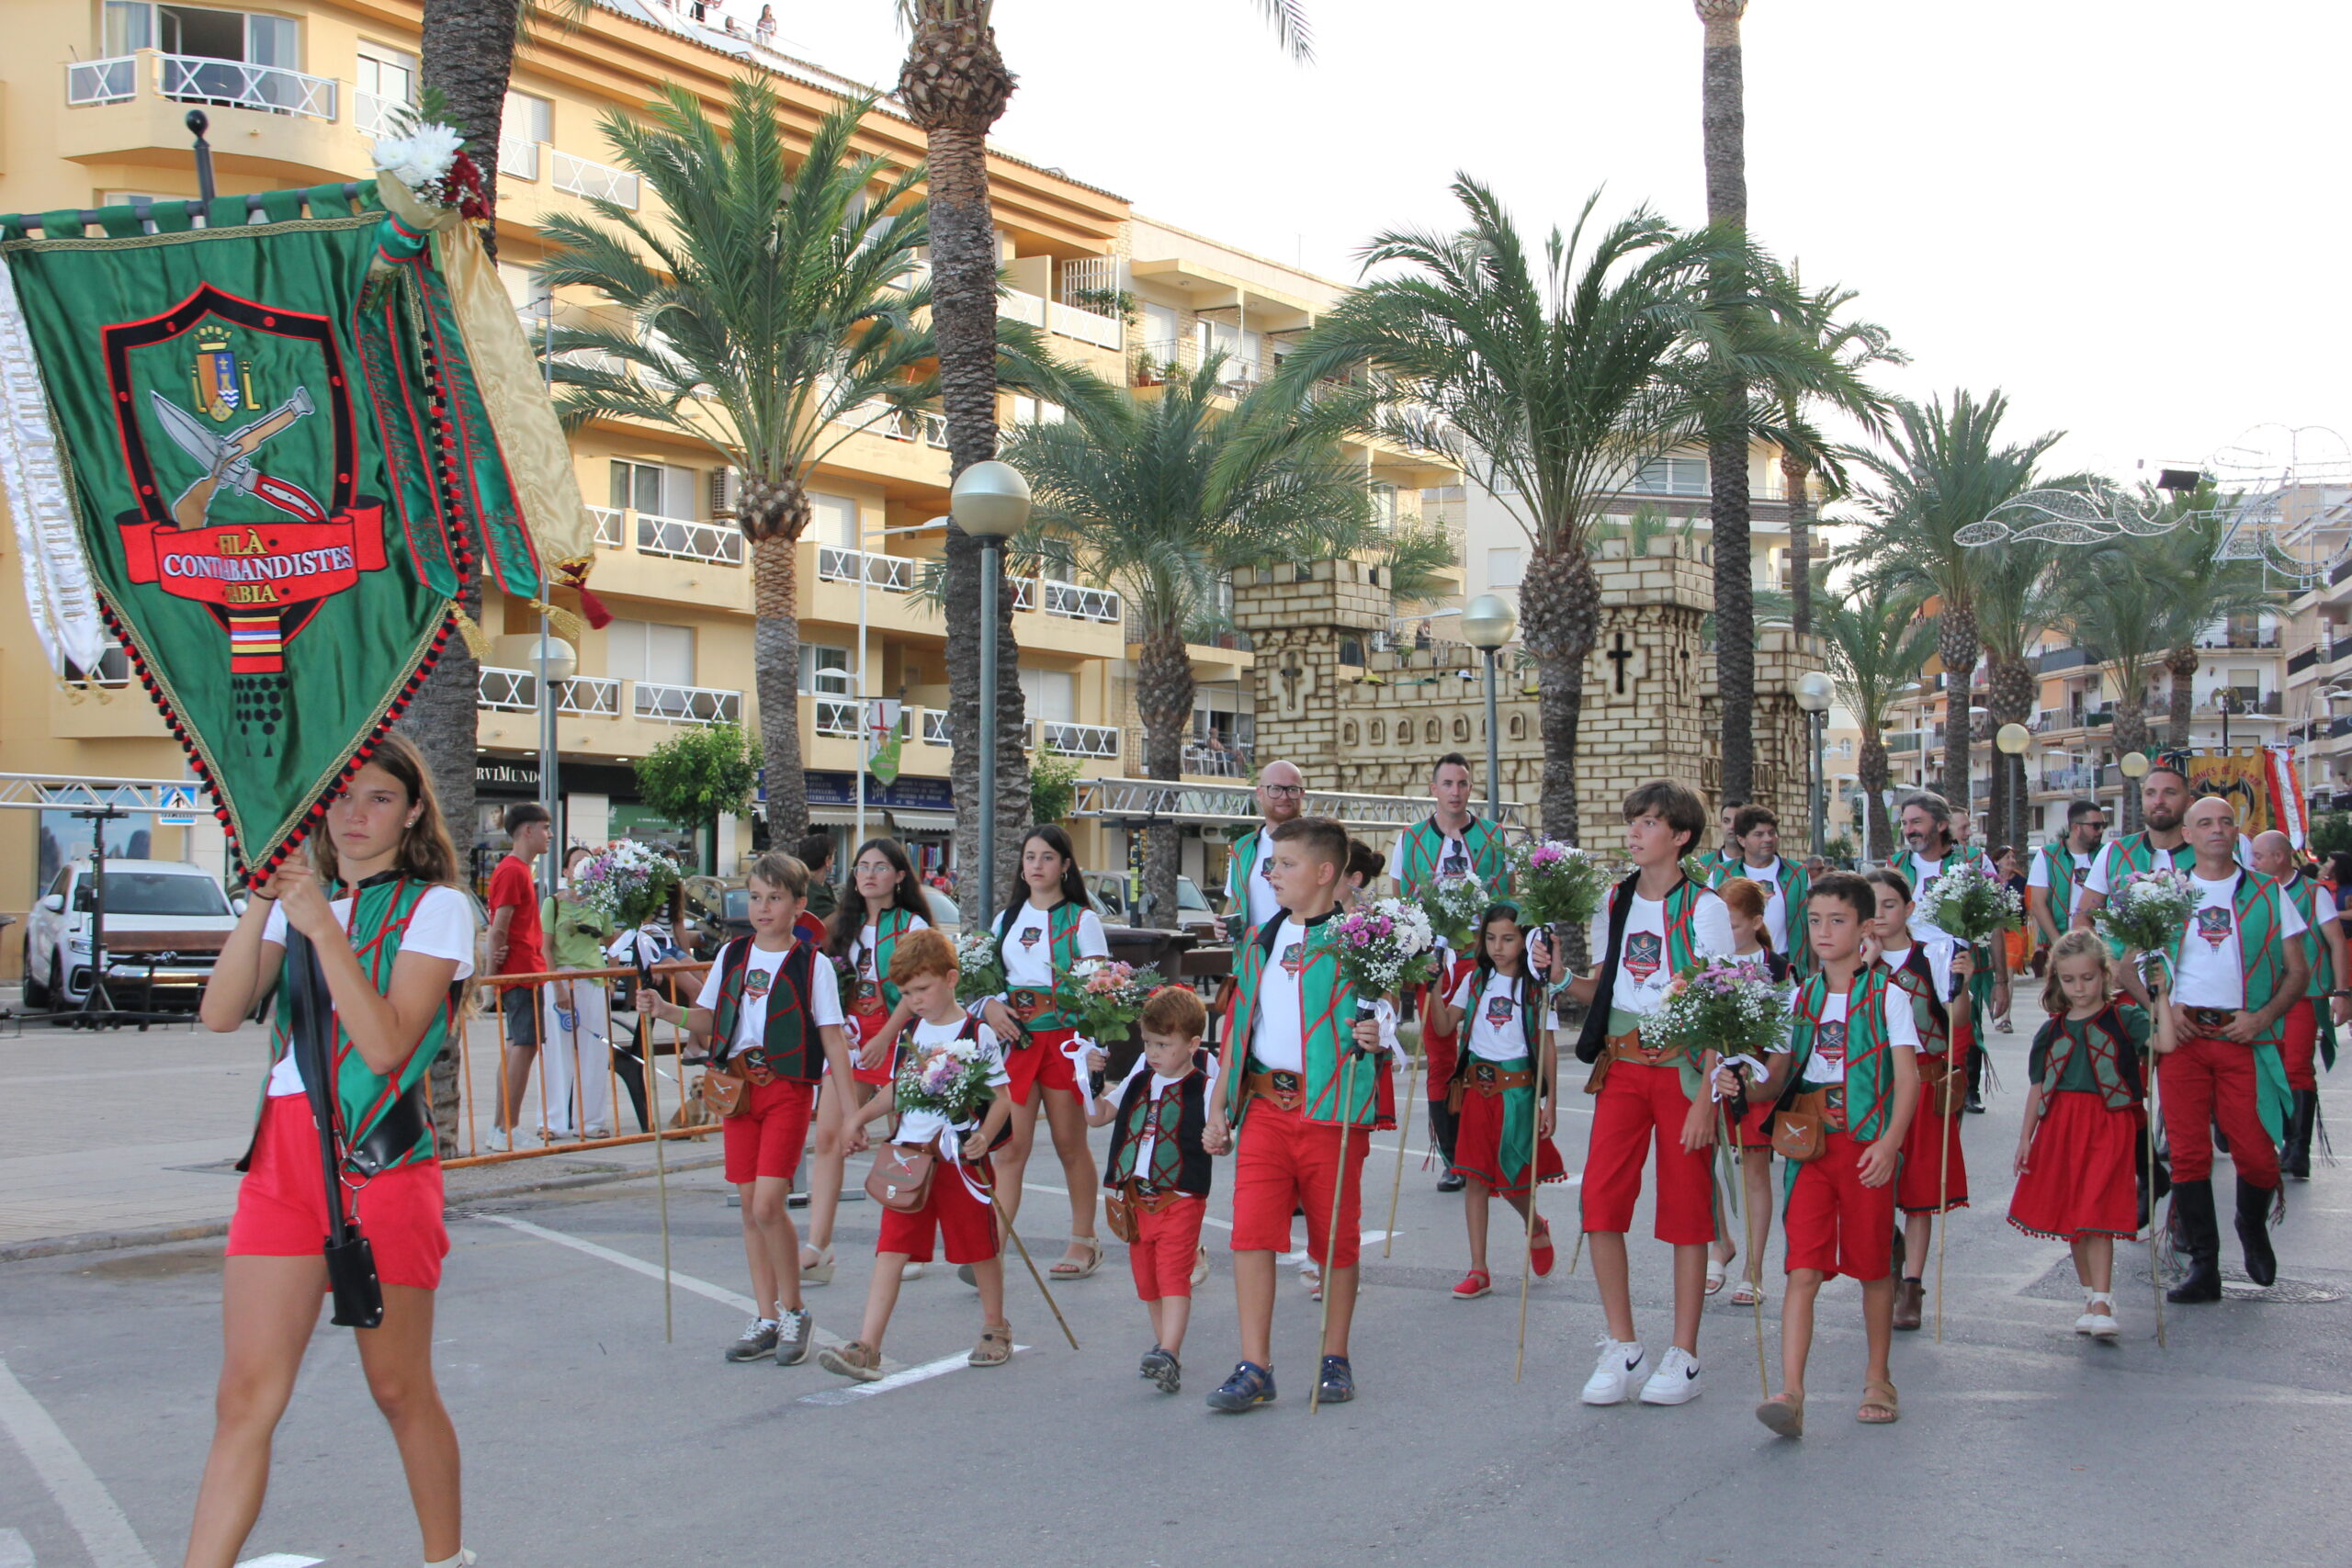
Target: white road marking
[105,1534]
[852,1392]
[15,1551]
[281,1560]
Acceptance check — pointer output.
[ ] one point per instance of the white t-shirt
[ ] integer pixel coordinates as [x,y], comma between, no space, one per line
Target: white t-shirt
[1453,859]
[2210,973]
[1827,1063]
[441,927]
[1643,972]
[1159,1087]
[1259,903]
[1923,871]
[1278,1038]
[1497,1033]
[1939,957]
[2038,875]
[2100,880]
[924,1040]
[1774,880]
[1028,946]
[760,971]
[865,945]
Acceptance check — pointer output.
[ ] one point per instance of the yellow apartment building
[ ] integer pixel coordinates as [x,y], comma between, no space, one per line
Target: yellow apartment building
[93,97]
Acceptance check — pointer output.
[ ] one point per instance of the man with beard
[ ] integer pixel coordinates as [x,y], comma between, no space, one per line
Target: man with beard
[1250,893]
[1927,823]
[2065,863]
[2323,1005]
[2164,800]
[2238,969]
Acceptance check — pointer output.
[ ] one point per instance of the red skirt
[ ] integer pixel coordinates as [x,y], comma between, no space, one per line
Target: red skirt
[1477,1145]
[1754,1130]
[864,1026]
[1920,1188]
[2079,1178]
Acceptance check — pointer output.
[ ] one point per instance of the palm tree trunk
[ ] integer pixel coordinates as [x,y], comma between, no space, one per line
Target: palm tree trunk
[1559,609]
[1872,769]
[1956,646]
[442,720]
[466,52]
[1164,703]
[776,671]
[2183,663]
[1793,471]
[2130,735]
[954,86]
[1723,118]
[2010,694]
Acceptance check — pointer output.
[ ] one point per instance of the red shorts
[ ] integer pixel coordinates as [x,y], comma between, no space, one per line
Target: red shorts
[1282,1162]
[1921,1187]
[864,1026]
[2079,1178]
[282,1205]
[1835,1223]
[2298,1050]
[766,1136]
[1042,1062]
[1165,1245]
[1754,1131]
[1639,1105]
[965,1223]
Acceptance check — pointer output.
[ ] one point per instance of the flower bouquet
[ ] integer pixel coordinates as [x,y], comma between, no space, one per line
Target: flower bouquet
[1453,905]
[1385,946]
[949,1079]
[1970,903]
[1726,1005]
[1558,884]
[1104,997]
[627,882]
[2148,912]
[979,966]
[431,160]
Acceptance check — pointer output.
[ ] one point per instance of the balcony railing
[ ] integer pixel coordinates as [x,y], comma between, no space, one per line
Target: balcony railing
[1080,603]
[1079,739]
[892,574]
[518,158]
[934,728]
[191,78]
[611,527]
[718,544]
[688,705]
[838,715]
[1218,759]
[575,175]
[1085,325]
[372,116]
[518,691]
[1024,592]
[1030,308]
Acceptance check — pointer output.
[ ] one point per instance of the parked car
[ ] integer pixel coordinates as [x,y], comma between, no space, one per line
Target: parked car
[1120,898]
[167,922]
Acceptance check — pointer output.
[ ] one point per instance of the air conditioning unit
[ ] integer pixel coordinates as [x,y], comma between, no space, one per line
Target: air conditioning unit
[726,492]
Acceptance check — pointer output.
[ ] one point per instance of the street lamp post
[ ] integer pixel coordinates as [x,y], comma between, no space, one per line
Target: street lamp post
[990,501]
[2012,740]
[1812,695]
[2224,703]
[865,692]
[1487,624]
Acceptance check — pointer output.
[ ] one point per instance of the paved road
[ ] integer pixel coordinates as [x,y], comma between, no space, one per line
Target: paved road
[591,1441]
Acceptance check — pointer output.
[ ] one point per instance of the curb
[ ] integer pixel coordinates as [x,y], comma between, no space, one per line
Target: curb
[203,1230]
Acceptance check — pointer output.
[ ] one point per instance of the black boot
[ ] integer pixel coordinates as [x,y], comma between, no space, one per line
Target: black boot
[2295,1153]
[2192,1207]
[2253,1232]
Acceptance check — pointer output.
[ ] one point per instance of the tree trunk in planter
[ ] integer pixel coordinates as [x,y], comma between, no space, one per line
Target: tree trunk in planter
[1875,777]
[1956,646]
[954,86]
[773,523]
[2183,663]
[1559,618]
[1164,703]
[1794,472]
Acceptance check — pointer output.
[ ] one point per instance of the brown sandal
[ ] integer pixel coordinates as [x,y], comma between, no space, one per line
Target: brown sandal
[995,1347]
[1887,1412]
[1784,1413]
[854,1359]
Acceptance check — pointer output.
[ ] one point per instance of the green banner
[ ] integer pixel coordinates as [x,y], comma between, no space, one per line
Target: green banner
[255,434]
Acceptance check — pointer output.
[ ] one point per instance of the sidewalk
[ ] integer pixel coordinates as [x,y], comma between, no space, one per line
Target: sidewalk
[116,1130]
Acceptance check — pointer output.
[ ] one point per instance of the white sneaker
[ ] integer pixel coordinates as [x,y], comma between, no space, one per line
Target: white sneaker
[911,1271]
[499,1140]
[1622,1365]
[2099,1319]
[1676,1381]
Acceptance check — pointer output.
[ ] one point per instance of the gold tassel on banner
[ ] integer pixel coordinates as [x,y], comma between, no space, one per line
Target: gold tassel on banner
[565,624]
[477,639]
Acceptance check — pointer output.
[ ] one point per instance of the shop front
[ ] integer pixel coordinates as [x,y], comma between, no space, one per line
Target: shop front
[599,802]
[918,812]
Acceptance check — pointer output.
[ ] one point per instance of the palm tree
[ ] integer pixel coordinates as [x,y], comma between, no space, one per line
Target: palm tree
[1855,346]
[2207,586]
[2016,601]
[1724,128]
[1552,385]
[1877,642]
[954,85]
[1137,490]
[2117,597]
[1942,470]
[773,320]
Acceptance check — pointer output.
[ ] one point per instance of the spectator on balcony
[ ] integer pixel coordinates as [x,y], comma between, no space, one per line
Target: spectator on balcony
[575,1015]
[517,947]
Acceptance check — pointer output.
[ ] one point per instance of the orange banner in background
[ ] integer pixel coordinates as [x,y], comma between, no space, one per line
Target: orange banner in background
[2242,778]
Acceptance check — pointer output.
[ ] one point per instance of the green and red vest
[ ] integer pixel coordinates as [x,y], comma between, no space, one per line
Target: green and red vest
[888,927]
[1914,978]
[1869,1087]
[2061,869]
[2132,852]
[1796,886]
[2302,890]
[381,910]
[2107,1046]
[1603,1017]
[790,1044]
[1241,864]
[1424,846]
[1061,950]
[1328,1014]
[2262,959]
[1178,1118]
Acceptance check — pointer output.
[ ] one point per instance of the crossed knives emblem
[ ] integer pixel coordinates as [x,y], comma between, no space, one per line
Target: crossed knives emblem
[229,459]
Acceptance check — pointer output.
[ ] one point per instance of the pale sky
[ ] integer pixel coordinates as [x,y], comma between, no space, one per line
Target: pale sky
[2127,216]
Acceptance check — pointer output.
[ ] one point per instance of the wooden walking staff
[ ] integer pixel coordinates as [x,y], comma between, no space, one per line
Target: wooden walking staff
[1331,1236]
[1404,1122]
[661,1156]
[2148,1137]
[1943,1182]
[1052,1305]
[1731,1159]
[1535,1180]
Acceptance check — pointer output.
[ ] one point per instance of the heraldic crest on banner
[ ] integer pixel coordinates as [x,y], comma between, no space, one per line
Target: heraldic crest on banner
[264,456]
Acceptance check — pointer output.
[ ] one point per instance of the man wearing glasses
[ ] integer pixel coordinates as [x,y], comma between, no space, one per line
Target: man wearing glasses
[2065,863]
[1249,894]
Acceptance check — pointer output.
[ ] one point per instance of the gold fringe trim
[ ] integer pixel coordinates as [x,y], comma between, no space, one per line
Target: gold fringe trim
[563,623]
[477,639]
